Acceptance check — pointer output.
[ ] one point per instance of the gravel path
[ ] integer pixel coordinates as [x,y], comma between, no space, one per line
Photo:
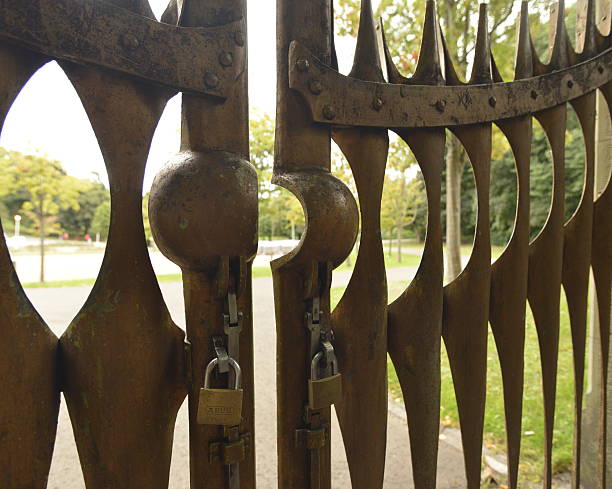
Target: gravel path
[59,305]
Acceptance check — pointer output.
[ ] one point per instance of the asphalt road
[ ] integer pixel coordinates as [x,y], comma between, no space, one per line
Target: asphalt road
[59,305]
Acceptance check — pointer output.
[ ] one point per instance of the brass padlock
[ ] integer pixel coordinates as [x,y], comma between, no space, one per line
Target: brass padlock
[221,406]
[322,393]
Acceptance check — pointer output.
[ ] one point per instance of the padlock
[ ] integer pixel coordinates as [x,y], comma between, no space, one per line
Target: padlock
[322,393]
[221,406]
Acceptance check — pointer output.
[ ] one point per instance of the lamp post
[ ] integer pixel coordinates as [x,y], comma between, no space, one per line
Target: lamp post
[17,225]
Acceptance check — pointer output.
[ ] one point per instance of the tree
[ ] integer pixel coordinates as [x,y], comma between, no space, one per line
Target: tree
[403,20]
[101,220]
[77,222]
[47,189]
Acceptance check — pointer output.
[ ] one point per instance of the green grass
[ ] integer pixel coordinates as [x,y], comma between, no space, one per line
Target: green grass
[532,444]
[258,272]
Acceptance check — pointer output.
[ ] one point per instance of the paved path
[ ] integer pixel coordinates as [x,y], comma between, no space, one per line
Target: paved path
[59,305]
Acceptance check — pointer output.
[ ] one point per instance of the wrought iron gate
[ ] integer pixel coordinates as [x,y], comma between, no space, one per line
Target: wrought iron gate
[125,368]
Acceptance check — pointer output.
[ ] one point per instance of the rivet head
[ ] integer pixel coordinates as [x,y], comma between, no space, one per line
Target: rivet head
[239,38]
[211,80]
[129,41]
[570,84]
[600,69]
[329,113]
[315,86]
[492,101]
[226,59]
[302,65]
[534,94]
[378,103]
[440,105]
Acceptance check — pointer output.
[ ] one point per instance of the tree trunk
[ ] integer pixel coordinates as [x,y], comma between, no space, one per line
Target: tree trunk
[454,170]
[42,247]
[399,242]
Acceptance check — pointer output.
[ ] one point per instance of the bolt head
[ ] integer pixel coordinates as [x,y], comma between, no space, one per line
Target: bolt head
[226,59]
[129,41]
[211,80]
[239,38]
[492,101]
[303,65]
[315,86]
[534,94]
[378,103]
[329,113]
[570,84]
[440,105]
[600,69]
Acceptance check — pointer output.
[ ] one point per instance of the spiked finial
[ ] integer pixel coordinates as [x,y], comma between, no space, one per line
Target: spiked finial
[429,69]
[366,65]
[497,78]
[449,69]
[523,67]
[586,30]
[172,14]
[559,58]
[393,73]
[481,71]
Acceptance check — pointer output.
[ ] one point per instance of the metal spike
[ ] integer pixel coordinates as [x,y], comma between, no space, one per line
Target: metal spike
[481,71]
[429,69]
[559,58]
[334,55]
[449,69]
[366,65]
[589,47]
[497,78]
[392,72]
[523,67]
[171,14]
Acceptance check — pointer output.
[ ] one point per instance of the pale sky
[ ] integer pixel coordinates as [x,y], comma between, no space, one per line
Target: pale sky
[48,117]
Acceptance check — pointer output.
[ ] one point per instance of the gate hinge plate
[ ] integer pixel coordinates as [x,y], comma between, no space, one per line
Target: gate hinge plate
[202,60]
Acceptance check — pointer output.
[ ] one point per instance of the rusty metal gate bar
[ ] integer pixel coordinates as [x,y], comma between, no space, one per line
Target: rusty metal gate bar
[356,110]
[123,365]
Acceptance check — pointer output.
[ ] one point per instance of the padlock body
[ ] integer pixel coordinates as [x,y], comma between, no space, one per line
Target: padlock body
[220,407]
[322,393]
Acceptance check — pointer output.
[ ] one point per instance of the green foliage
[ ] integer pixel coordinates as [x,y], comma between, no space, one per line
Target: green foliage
[77,222]
[42,187]
[101,220]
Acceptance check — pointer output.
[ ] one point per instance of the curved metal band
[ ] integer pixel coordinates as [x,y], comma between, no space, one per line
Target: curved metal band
[199,60]
[340,100]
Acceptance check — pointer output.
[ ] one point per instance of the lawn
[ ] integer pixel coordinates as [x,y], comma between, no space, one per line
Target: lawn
[532,445]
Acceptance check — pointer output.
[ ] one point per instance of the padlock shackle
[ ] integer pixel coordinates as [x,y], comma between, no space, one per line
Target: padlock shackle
[233,363]
[315,363]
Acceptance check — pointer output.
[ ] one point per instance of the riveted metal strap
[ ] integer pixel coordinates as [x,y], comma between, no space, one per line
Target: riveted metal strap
[93,32]
[340,100]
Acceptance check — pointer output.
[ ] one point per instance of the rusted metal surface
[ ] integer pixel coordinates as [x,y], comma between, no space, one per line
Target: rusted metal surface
[426,106]
[28,350]
[203,211]
[360,326]
[113,36]
[122,356]
[415,318]
[601,263]
[509,273]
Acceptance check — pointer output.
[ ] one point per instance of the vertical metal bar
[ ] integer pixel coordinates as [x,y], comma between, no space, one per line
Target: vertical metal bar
[302,163]
[509,273]
[465,321]
[415,318]
[360,319]
[28,350]
[125,326]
